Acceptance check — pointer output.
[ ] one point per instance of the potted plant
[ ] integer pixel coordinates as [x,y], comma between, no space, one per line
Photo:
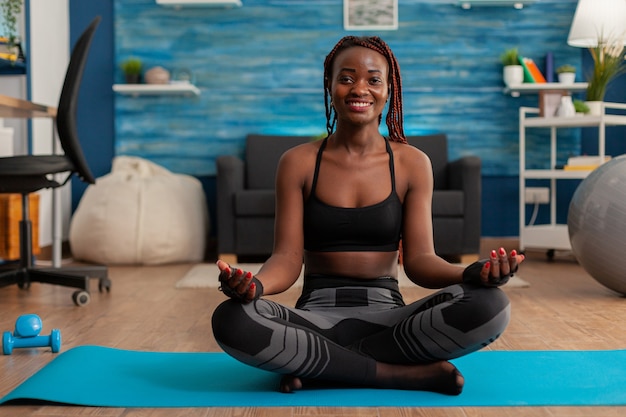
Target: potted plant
[10,11]
[566,74]
[10,44]
[581,107]
[132,70]
[608,63]
[512,71]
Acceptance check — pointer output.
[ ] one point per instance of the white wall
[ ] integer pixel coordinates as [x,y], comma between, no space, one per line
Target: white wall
[48,54]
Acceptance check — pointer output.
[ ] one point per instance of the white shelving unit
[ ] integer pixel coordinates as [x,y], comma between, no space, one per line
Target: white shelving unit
[555,236]
[534,88]
[180,89]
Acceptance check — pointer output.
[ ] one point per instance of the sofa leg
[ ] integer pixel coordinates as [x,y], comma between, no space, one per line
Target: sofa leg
[229,258]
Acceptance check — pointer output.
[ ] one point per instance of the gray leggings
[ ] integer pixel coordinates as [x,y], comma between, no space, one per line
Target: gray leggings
[338,333]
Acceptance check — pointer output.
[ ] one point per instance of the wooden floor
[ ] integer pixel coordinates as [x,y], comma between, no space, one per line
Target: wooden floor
[563,308]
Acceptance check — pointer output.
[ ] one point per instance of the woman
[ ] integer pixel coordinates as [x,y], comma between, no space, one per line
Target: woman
[342,205]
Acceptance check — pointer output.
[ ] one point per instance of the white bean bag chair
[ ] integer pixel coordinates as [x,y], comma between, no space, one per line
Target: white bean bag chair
[140,214]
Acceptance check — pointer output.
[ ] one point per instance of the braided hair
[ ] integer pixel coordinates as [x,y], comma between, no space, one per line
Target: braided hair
[394,114]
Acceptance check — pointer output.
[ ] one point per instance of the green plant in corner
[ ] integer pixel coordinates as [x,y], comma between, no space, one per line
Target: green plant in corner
[608,63]
[510,57]
[11,9]
[565,69]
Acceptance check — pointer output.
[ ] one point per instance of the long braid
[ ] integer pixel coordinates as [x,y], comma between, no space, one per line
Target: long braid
[394,114]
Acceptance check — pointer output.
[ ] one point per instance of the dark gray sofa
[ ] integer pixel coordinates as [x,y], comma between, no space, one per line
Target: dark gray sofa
[245,196]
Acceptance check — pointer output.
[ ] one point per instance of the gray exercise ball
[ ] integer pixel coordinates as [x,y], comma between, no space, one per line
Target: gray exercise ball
[596,223]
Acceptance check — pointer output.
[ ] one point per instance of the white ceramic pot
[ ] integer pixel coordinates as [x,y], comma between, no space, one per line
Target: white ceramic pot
[567,77]
[595,107]
[513,75]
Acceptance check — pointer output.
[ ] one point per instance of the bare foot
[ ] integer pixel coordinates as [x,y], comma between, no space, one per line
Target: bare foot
[290,383]
[442,377]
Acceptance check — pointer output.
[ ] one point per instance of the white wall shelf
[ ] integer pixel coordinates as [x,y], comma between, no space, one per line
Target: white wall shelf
[199,3]
[554,236]
[182,89]
[517,4]
[534,88]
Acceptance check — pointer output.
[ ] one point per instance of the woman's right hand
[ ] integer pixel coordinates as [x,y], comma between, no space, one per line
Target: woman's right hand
[238,284]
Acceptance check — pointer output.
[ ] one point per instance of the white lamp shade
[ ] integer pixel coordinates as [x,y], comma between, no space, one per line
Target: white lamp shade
[594,19]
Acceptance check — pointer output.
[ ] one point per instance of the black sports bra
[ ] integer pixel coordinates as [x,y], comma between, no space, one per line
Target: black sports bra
[374,228]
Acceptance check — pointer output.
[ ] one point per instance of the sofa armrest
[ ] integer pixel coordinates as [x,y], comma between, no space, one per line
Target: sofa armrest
[465,174]
[230,179]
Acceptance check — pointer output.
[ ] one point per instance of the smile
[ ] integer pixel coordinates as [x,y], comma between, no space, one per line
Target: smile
[359,104]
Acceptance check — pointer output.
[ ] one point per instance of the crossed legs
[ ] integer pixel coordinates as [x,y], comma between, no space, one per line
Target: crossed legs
[404,347]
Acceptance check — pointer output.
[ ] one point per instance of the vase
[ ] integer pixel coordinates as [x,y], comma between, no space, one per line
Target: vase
[513,75]
[157,75]
[596,108]
[566,108]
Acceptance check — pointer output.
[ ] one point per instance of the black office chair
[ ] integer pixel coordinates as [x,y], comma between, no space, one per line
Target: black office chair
[25,174]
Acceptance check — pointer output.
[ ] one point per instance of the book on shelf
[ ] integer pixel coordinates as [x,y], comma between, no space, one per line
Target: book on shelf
[584,162]
[532,73]
[534,70]
[528,76]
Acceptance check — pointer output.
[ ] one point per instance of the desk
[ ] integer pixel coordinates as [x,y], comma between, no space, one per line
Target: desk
[11,107]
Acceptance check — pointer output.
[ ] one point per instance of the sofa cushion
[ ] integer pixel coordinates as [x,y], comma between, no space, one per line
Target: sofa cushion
[254,203]
[436,147]
[262,155]
[448,203]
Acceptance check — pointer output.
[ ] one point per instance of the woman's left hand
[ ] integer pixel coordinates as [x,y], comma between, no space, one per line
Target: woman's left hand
[495,271]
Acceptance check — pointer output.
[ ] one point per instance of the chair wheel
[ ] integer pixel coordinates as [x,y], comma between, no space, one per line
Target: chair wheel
[23,285]
[81,298]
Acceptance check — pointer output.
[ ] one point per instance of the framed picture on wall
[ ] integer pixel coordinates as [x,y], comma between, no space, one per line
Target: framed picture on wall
[370,14]
[549,102]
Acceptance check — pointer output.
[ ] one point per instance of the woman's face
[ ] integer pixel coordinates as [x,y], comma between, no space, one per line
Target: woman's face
[359,85]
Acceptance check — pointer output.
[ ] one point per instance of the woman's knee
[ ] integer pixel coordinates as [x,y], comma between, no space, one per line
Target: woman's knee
[239,326]
[227,321]
[479,307]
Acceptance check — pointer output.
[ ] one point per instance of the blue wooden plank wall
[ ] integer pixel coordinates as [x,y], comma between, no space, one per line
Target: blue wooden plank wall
[259,69]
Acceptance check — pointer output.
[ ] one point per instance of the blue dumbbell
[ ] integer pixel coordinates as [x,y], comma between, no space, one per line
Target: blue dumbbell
[26,334]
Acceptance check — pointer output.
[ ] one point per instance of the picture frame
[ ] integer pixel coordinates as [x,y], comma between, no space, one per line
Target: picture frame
[370,14]
[549,102]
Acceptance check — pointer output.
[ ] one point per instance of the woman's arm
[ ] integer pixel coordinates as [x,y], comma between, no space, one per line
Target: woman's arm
[421,263]
[283,267]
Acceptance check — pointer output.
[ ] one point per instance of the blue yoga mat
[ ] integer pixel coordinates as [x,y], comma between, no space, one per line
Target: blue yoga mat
[106,377]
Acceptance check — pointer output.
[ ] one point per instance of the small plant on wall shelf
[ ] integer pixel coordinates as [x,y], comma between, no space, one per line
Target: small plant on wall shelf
[510,57]
[565,69]
[132,70]
[512,71]
[566,74]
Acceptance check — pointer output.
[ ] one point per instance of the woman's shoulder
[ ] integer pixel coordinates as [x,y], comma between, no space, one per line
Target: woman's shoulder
[301,155]
[409,154]
[303,150]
